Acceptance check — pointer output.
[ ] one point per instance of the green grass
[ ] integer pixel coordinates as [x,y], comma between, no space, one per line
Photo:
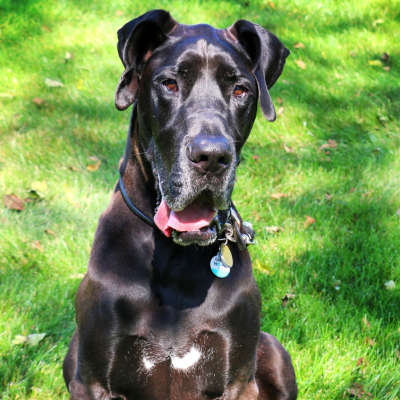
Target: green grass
[339,96]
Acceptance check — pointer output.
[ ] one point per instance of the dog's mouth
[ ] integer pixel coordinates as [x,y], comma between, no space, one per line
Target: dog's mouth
[190,225]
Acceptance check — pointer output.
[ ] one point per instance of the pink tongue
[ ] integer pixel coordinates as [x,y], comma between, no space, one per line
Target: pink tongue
[192,218]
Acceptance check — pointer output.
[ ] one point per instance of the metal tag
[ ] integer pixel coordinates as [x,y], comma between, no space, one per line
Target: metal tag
[218,268]
[226,255]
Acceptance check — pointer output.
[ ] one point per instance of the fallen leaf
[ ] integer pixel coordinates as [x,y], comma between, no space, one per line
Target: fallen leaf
[328,196]
[279,100]
[50,232]
[68,56]
[301,64]
[365,322]
[360,361]
[38,246]
[52,83]
[255,157]
[309,221]
[386,68]
[287,149]
[369,341]
[286,298]
[38,102]
[73,168]
[46,28]
[352,190]
[375,63]
[119,13]
[278,195]
[299,45]
[38,189]
[377,22]
[77,276]
[272,5]
[280,111]
[13,202]
[358,391]
[390,285]
[273,229]
[331,144]
[94,167]
[261,267]
[31,340]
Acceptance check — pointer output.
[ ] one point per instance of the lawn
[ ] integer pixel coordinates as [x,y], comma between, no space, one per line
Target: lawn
[321,184]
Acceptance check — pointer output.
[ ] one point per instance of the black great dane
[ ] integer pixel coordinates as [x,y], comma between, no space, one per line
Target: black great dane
[154,321]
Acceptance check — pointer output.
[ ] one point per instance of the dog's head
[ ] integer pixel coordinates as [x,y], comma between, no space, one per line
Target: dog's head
[196,89]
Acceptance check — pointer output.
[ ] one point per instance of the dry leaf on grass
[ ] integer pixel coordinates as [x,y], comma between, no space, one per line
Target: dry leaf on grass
[50,232]
[299,45]
[358,391]
[377,22]
[278,195]
[386,68]
[390,285]
[38,189]
[309,221]
[287,148]
[360,361]
[13,202]
[365,322]
[272,5]
[279,100]
[375,63]
[38,246]
[73,168]
[77,276]
[280,111]
[328,196]
[94,167]
[255,157]
[369,341]
[31,340]
[352,190]
[286,298]
[331,144]
[119,13]
[274,229]
[301,64]
[39,102]
[52,83]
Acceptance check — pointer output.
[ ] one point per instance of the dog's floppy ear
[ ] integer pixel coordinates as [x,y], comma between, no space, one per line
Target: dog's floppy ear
[136,42]
[268,56]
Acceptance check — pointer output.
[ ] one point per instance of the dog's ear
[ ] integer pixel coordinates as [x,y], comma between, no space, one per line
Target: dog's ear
[268,56]
[136,42]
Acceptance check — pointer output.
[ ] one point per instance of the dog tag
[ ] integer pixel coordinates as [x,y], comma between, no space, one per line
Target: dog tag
[218,268]
[225,255]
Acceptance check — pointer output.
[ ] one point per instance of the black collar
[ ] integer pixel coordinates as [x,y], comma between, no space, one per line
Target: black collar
[132,207]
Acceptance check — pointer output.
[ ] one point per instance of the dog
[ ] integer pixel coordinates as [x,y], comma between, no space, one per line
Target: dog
[153,320]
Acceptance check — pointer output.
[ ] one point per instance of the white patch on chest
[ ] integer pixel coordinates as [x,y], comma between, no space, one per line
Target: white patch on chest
[147,363]
[187,361]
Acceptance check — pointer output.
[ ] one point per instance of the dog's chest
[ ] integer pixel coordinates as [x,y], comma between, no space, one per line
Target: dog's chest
[158,367]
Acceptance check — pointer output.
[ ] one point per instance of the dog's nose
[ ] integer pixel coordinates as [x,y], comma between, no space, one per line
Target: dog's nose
[209,154]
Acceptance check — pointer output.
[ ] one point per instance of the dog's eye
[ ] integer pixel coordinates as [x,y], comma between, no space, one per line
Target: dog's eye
[239,91]
[171,85]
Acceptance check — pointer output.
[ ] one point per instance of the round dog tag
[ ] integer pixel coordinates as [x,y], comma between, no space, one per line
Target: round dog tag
[218,268]
[226,255]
